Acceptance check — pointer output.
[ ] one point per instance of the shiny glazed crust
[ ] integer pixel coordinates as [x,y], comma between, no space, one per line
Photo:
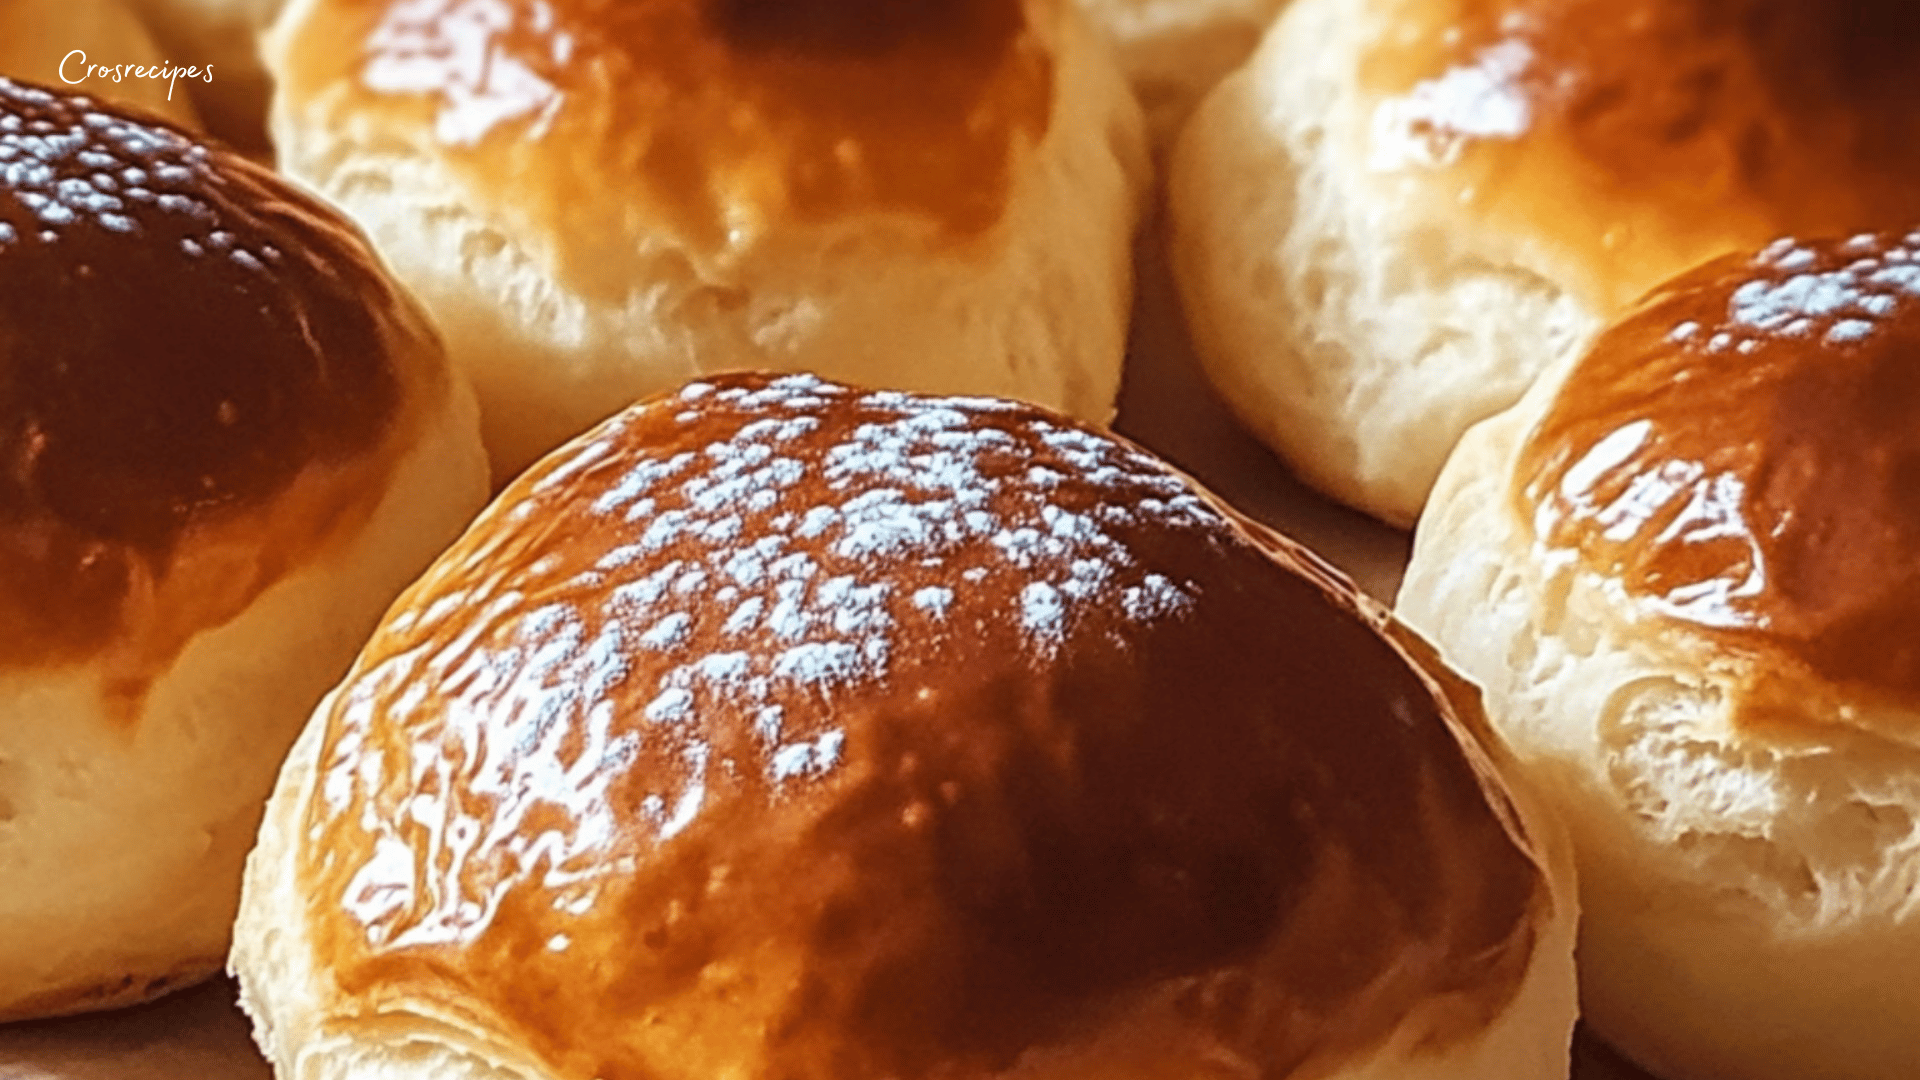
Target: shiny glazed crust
[965,233]
[1401,212]
[860,732]
[231,440]
[1742,799]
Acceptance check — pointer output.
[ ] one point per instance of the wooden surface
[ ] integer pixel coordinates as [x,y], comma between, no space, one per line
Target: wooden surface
[200,1035]
[194,1035]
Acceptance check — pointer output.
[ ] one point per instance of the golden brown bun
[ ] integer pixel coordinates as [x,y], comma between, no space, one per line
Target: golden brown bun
[223,34]
[39,40]
[229,442]
[598,201]
[1684,568]
[778,728]
[1402,211]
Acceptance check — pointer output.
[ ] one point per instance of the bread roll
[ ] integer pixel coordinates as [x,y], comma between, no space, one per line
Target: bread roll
[39,40]
[1173,51]
[229,442]
[1686,569]
[779,729]
[598,201]
[226,35]
[1401,211]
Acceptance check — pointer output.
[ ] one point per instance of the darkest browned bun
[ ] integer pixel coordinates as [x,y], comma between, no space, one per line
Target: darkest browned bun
[227,439]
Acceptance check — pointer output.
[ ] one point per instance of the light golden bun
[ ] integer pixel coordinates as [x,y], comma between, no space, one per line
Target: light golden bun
[1173,51]
[1684,571]
[230,441]
[38,36]
[619,203]
[1400,212]
[778,728]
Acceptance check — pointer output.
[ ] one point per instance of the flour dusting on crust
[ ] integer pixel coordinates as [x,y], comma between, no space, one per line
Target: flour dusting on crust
[760,547]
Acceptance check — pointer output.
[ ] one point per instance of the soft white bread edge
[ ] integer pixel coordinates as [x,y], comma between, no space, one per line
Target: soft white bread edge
[122,846]
[1354,323]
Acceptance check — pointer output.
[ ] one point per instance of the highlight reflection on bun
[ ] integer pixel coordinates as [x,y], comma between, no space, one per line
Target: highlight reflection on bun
[778,728]
[598,201]
[1683,567]
[1402,211]
[229,442]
